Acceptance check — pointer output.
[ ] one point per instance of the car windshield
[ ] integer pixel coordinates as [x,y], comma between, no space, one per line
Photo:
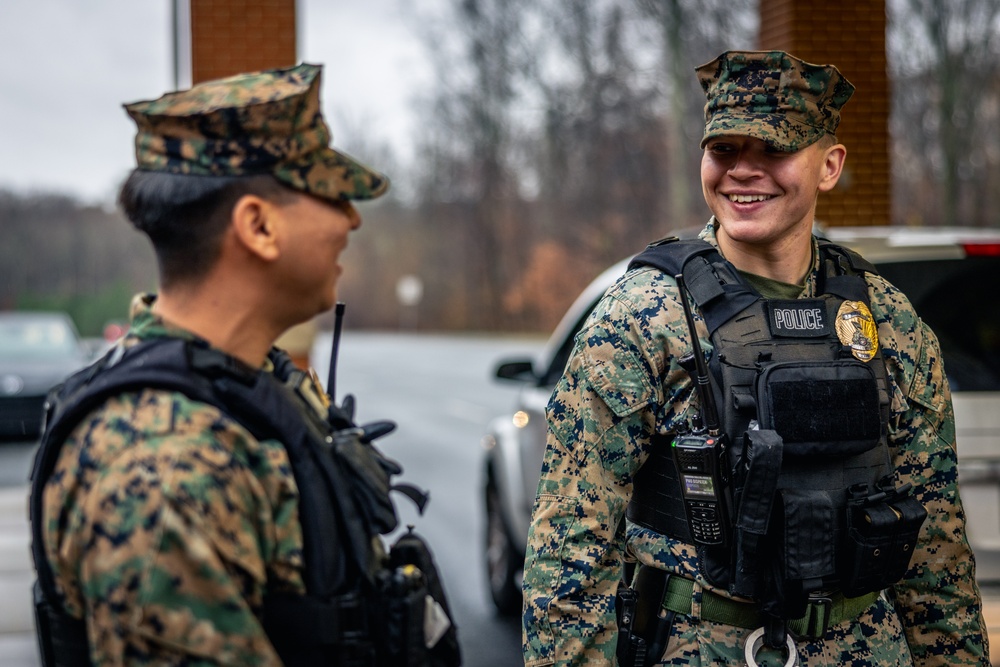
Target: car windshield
[955,298]
[25,338]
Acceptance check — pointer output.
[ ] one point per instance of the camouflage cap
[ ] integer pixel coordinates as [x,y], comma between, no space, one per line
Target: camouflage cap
[772,96]
[266,122]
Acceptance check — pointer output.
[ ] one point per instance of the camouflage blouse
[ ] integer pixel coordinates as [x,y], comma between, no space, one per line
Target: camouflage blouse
[622,382]
[165,521]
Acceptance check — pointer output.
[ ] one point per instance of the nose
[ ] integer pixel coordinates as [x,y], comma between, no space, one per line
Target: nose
[353,216]
[351,213]
[744,163]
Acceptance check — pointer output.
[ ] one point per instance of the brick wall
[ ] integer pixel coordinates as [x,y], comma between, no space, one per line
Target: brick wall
[233,36]
[851,35]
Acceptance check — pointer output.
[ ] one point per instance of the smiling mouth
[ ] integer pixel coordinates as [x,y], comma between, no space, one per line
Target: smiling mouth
[748,199]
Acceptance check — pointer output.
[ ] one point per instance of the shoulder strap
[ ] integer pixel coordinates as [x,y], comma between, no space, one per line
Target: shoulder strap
[258,402]
[118,372]
[714,284]
[842,272]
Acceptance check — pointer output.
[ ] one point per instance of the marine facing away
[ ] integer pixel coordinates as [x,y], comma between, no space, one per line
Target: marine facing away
[197,498]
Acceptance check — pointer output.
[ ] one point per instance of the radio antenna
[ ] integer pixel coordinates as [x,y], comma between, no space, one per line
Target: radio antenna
[709,412]
[331,378]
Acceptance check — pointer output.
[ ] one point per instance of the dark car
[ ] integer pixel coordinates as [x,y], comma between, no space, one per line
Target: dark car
[951,275]
[38,350]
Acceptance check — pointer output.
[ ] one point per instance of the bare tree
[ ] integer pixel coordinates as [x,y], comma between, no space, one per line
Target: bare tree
[691,32]
[469,149]
[59,254]
[944,60]
[548,126]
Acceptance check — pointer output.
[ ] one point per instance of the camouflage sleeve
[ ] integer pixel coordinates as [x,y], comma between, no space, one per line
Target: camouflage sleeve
[938,600]
[600,416]
[165,521]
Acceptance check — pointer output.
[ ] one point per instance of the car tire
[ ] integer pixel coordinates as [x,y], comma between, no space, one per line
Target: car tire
[503,563]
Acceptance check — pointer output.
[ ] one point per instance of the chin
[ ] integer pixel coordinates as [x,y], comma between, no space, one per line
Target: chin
[746,231]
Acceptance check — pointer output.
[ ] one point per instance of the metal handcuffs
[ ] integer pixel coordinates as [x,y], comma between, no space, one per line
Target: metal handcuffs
[756,640]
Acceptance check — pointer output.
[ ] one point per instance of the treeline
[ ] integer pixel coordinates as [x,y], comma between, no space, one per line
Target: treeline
[560,137]
[58,254]
[563,135]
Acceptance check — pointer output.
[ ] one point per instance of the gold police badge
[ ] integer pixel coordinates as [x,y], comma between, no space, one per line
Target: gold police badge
[856,329]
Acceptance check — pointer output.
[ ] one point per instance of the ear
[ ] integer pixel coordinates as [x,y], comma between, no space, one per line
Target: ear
[833,166]
[257,227]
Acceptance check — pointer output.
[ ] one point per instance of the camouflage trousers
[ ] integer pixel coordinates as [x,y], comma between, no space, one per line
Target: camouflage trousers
[874,639]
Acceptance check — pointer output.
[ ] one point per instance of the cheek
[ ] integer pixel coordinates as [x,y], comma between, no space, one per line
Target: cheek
[706,177]
[339,243]
[706,169]
[712,173]
[711,176]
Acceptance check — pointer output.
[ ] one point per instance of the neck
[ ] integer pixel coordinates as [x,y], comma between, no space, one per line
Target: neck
[787,261]
[231,323]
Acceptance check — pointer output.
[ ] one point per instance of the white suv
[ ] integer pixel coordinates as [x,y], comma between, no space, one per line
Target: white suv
[951,275]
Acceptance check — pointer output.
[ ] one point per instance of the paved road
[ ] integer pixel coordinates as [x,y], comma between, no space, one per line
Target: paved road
[440,391]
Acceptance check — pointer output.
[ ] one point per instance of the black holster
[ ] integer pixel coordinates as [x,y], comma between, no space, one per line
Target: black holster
[643,624]
[631,648]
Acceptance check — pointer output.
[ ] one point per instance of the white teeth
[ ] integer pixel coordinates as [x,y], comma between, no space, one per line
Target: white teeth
[746,199]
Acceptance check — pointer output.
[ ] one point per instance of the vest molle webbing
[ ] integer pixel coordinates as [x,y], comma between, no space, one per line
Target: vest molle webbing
[803,392]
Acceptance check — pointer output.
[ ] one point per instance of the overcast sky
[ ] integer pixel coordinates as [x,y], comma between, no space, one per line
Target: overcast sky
[68,65]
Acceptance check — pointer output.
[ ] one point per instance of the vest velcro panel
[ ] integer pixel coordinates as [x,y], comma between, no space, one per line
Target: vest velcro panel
[821,408]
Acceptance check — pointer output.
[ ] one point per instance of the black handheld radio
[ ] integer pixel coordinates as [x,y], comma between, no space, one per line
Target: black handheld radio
[701,456]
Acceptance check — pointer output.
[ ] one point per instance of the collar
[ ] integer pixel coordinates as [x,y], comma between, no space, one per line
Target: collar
[145,325]
[709,235]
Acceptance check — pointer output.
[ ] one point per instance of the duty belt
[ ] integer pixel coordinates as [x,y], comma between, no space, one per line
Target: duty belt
[821,612]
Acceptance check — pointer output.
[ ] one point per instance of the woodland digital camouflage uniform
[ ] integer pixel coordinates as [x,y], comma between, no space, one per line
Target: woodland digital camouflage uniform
[265,122]
[772,96]
[622,382]
[164,520]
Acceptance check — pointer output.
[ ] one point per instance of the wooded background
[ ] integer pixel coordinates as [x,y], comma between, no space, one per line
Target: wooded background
[559,137]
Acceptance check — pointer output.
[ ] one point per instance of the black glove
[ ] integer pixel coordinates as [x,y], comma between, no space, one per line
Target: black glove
[371,469]
[342,417]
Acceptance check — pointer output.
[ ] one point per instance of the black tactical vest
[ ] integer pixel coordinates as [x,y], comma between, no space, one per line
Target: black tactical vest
[803,395]
[361,607]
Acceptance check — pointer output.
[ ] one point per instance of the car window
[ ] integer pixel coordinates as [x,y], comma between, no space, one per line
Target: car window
[956,298]
[558,363]
[36,339]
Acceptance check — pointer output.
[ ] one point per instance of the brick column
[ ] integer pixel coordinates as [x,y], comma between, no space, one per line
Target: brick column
[850,35]
[233,36]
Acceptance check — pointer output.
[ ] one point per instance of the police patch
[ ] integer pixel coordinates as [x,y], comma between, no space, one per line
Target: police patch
[799,318]
[856,329]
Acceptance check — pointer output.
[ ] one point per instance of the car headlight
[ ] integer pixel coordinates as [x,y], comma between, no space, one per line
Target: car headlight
[11,385]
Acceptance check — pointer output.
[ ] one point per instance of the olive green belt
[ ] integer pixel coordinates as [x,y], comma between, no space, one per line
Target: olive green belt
[821,613]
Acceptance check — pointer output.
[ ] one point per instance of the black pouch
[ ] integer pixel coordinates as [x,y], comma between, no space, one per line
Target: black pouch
[415,605]
[803,559]
[757,485]
[405,609]
[882,532]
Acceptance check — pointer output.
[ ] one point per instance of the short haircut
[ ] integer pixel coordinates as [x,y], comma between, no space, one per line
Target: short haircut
[186,216]
[827,140]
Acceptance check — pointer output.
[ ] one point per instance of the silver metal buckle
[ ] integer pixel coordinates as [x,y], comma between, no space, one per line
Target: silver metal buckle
[756,640]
